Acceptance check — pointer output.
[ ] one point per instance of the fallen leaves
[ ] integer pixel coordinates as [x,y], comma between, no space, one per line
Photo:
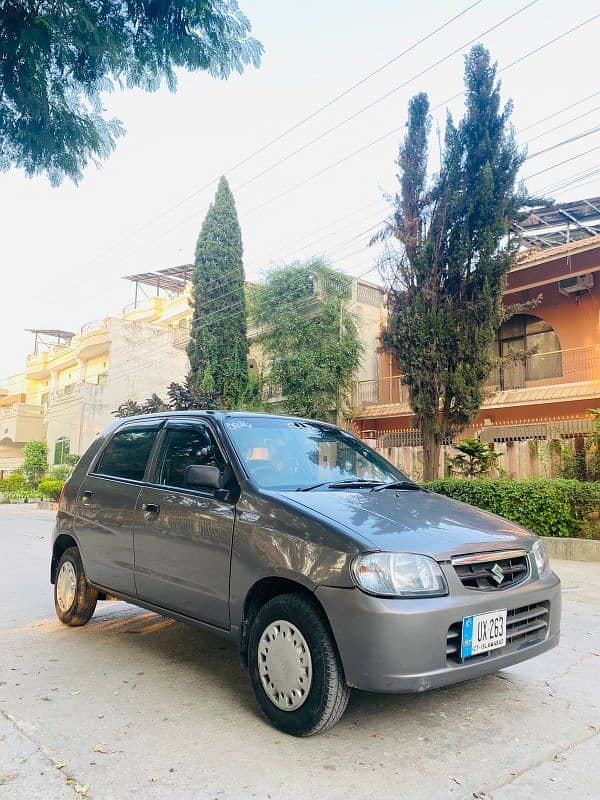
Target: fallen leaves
[100,748]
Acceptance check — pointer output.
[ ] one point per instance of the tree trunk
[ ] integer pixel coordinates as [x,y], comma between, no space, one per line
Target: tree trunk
[431,450]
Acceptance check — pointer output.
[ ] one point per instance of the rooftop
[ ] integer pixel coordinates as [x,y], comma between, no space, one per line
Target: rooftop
[561,223]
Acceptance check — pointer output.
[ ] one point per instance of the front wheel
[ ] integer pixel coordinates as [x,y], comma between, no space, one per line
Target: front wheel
[295,668]
[74,598]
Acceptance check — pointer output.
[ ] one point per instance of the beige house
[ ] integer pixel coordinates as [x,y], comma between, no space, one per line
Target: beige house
[73,382]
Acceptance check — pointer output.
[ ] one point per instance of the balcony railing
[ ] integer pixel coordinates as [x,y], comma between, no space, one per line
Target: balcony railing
[574,365]
[383,391]
[180,337]
[21,409]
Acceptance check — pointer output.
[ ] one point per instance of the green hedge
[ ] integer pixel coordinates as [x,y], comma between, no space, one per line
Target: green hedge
[550,507]
[50,488]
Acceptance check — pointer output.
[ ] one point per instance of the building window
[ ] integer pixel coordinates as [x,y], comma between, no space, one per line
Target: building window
[62,448]
[522,333]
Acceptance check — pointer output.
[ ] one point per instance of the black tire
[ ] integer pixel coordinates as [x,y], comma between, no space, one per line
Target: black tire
[85,596]
[328,695]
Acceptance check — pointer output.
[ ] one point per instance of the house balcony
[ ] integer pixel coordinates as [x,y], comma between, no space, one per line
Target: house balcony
[21,422]
[80,391]
[180,337]
[556,377]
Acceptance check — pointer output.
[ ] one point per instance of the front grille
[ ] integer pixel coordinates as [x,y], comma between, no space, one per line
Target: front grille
[486,573]
[524,626]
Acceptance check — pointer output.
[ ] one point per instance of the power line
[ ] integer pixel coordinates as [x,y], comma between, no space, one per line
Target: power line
[560,163]
[385,96]
[561,124]
[343,244]
[297,124]
[395,130]
[389,133]
[570,140]
[556,113]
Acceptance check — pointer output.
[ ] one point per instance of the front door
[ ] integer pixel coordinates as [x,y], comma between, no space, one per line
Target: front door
[106,505]
[183,537]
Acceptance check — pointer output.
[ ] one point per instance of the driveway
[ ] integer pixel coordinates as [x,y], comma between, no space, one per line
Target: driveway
[136,706]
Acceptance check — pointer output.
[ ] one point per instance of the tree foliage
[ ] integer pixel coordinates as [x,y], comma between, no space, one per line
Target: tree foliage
[309,336]
[446,269]
[218,346]
[188,396]
[131,408]
[35,463]
[56,58]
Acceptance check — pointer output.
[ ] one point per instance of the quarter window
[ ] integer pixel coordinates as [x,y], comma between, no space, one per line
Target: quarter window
[127,453]
[182,447]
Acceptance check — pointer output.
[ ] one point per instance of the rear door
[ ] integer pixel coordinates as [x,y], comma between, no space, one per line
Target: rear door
[106,505]
[183,537]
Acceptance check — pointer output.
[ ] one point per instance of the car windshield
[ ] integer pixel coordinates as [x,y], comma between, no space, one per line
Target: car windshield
[284,454]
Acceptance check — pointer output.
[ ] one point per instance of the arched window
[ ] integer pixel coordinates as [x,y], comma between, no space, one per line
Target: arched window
[524,332]
[62,448]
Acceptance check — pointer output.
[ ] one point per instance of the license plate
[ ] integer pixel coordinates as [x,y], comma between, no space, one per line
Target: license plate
[483,632]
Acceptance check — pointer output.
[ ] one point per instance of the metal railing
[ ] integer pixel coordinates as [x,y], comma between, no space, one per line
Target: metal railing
[573,365]
[382,391]
[94,325]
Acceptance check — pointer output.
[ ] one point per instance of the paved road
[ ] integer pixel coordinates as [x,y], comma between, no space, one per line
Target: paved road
[136,706]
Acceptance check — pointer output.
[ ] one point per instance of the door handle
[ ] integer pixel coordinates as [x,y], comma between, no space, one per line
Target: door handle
[86,497]
[151,508]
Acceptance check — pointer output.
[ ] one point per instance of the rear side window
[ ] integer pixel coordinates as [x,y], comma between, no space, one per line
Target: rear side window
[127,453]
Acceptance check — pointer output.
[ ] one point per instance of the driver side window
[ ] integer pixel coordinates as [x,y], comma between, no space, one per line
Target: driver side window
[182,447]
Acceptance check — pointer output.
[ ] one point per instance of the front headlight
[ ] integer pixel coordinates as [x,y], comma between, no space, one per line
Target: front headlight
[541,557]
[399,575]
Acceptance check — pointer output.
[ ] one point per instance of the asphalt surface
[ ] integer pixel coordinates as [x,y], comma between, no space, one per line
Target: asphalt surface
[136,706]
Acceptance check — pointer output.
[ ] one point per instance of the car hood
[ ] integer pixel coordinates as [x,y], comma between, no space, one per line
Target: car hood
[415,521]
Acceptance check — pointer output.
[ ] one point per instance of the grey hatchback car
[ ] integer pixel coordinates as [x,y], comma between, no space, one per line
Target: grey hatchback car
[321,561]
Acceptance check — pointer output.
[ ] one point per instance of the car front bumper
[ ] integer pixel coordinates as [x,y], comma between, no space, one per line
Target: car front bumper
[401,645]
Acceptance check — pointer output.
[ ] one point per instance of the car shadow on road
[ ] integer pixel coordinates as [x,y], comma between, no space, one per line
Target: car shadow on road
[207,663]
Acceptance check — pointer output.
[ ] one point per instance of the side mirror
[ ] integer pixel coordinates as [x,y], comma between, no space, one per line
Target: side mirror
[201,476]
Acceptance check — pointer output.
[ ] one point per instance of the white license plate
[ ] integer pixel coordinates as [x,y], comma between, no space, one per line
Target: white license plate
[483,632]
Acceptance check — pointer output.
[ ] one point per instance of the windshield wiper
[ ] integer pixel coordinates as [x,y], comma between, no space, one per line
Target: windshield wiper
[398,485]
[358,482]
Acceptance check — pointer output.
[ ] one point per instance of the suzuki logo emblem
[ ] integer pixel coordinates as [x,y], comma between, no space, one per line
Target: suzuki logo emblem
[497,573]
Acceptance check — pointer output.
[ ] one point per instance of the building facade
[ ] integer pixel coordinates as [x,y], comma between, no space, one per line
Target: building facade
[72,383]
[529,403]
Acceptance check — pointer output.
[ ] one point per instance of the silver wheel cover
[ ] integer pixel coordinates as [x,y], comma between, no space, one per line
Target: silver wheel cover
[284,665]
[66,586]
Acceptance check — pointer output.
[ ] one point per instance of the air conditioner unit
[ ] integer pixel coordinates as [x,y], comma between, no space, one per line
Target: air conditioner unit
[576,285]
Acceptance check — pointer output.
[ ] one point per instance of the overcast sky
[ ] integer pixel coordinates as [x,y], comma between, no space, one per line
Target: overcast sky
[63,250]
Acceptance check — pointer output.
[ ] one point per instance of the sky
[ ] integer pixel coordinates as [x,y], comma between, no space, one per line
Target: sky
[63,251]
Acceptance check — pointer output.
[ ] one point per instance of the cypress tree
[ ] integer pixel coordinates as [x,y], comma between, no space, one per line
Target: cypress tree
[446,275]
[218,347]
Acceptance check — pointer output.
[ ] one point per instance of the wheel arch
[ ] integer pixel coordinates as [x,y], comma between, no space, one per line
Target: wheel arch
[62,542]
[264,590]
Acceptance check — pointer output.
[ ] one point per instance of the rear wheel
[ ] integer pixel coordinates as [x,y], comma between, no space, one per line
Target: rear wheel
[295,668]
[74,598]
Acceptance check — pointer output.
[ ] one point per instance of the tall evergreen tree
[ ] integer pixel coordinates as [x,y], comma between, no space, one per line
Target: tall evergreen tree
[218,347]
[446,273]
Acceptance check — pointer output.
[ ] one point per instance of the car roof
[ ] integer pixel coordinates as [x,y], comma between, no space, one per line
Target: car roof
[219,414]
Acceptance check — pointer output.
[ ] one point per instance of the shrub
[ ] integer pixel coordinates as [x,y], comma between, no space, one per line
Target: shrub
[474,459]
[14,484]
[50,488]
[550,507]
